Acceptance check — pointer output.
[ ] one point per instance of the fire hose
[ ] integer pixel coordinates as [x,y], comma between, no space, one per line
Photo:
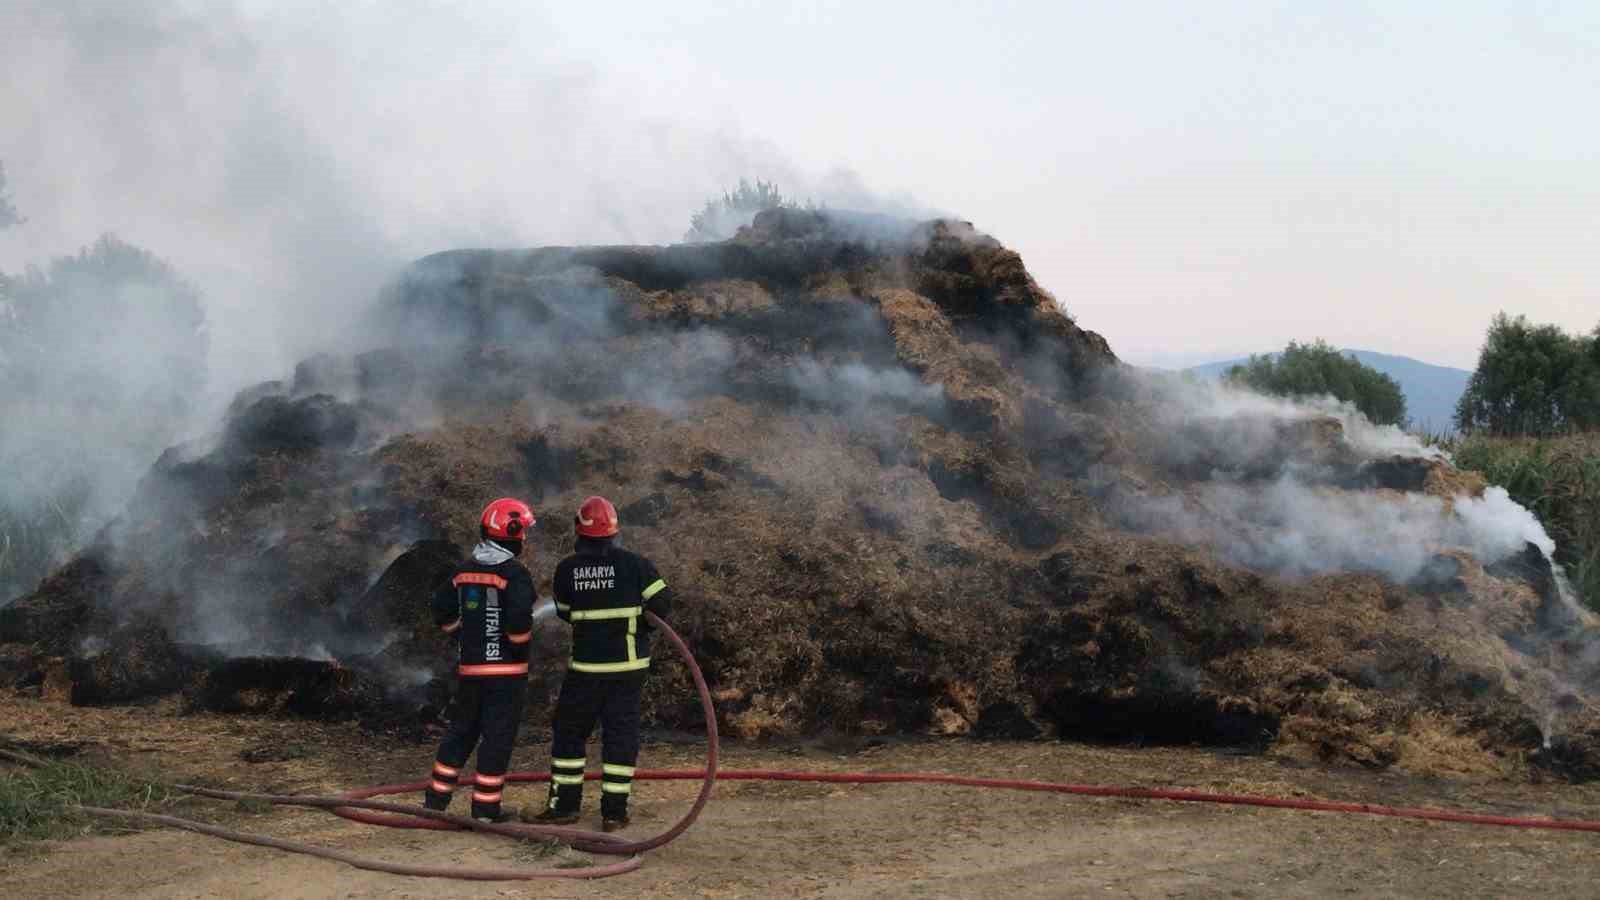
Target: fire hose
[356,805]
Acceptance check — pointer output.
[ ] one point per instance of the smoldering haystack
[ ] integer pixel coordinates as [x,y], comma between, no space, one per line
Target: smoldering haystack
[897,488]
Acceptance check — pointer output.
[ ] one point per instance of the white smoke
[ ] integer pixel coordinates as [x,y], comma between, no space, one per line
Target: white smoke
[1285,487]
[1278,500]
[1292,528]
[1175,400]
[855,385]
[291,156]
[288,158]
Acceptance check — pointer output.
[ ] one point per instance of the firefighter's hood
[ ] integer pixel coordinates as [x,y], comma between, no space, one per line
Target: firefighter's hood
[490,554]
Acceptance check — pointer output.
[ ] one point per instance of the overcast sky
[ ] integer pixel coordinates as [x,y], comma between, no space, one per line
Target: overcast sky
[1193,180]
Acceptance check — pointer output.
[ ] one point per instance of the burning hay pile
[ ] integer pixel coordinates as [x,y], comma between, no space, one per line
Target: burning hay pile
[896,488]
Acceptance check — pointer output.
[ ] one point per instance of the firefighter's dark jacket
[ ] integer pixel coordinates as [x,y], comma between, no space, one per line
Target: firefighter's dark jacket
[488,605]
[604,590]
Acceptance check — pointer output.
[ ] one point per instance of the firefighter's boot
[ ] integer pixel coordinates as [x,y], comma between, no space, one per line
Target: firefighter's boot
[497,814]
[566,792]
[614,811]
[566,800]
[548,817]
[616,786]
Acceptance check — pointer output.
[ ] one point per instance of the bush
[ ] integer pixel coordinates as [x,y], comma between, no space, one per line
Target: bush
[721,218]
[1534,380]
[1559,479]
[1317,369]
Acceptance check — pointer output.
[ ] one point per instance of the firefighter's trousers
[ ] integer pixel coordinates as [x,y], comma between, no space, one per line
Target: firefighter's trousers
[484,714]
[614,702]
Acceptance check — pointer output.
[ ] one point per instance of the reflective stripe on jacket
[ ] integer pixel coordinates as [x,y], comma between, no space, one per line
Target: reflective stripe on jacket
[489,609]
[604,591]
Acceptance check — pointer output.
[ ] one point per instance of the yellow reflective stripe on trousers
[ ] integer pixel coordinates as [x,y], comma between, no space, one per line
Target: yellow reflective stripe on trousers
[567,779]
[568,763]
[655,588]
[611,787]
[624,771]
[604,668]
[621,612]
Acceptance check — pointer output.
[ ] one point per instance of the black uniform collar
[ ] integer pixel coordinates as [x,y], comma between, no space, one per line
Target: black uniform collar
[588,546]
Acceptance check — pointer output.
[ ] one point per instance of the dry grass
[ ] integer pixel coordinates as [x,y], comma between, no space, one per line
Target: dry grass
[973,376]
[706,301]
[879,568]
[1446,746]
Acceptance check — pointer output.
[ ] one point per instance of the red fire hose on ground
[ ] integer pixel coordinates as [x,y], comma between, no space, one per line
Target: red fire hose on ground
[357,806]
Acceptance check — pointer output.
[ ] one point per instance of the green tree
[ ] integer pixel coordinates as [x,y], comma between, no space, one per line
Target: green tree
[8,212]
[1317,369]
[722,216]
[102,355]
[124,318]
[1532,380]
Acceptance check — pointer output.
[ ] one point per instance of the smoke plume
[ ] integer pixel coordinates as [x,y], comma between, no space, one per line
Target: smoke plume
[1286,486]
[1310,487]
[287,159]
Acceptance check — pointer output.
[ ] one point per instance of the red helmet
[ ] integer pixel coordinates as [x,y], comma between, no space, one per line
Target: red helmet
[507,519]
[596,518]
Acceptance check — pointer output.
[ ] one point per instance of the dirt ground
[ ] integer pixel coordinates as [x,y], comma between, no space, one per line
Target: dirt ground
[768,839]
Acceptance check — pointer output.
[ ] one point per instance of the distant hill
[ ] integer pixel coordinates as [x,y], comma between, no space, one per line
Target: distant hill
[1431,391]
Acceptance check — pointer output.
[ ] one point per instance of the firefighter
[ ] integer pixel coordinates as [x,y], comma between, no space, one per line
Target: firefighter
[488,606]
[603,591]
